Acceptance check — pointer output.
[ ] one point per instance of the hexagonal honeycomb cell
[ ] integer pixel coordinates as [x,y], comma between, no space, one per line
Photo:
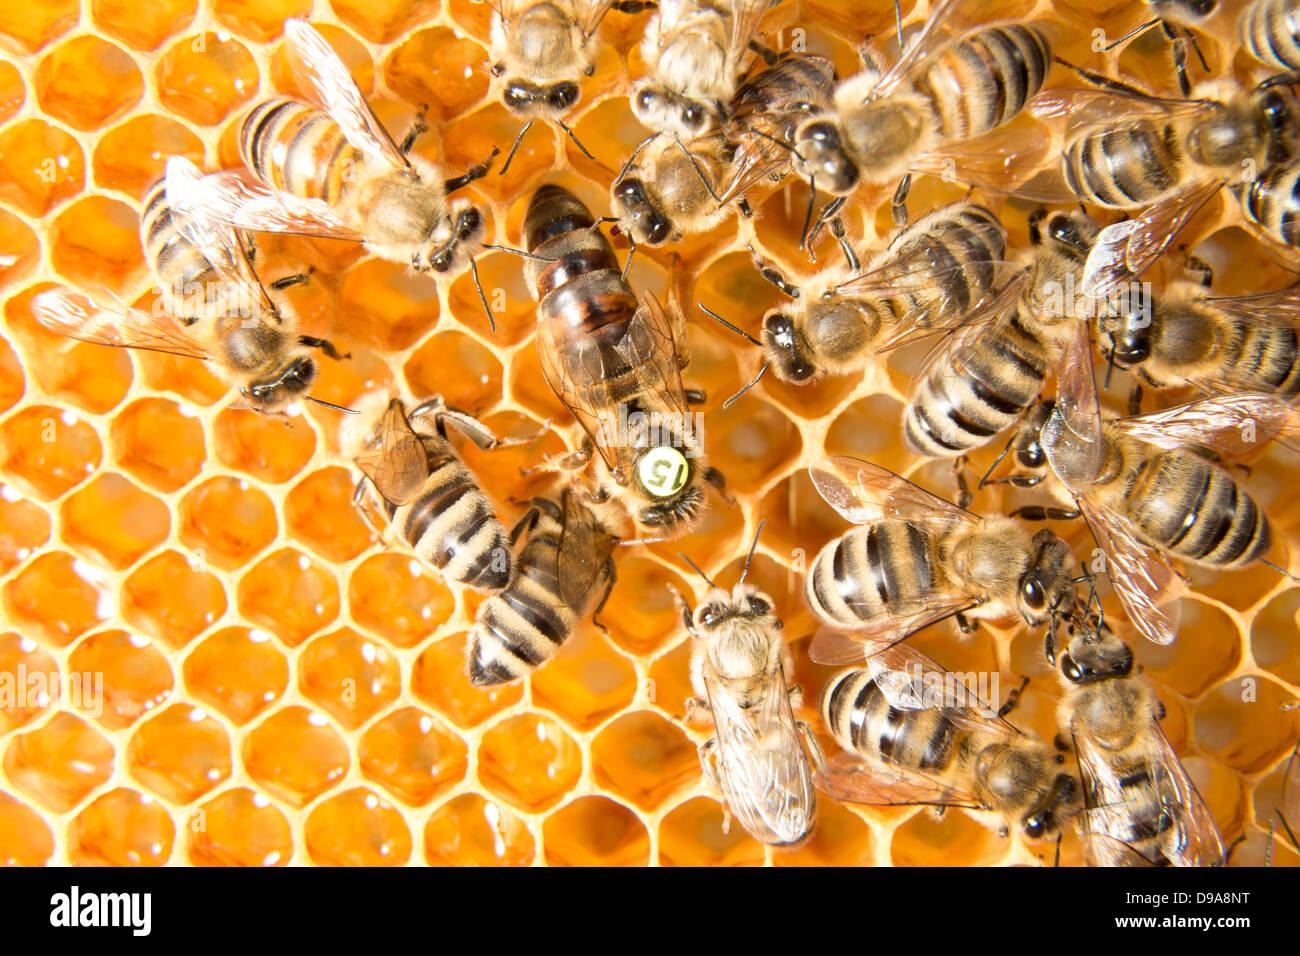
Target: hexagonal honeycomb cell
[278,685]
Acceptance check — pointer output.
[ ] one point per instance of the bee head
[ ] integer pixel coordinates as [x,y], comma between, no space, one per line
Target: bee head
[661,109]
[638,214]
[820,155]
[1126,335]
[1047,584]
[451,242]
[745,601]
[1075,231]
[1057,803]
[529,100]
[287,384]
[786,349]
[1275,103]
[1028,442]
[1093,655]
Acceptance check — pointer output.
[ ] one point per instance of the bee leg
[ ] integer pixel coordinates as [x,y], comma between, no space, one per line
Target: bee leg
[469,426]
[284,282]
[719,482]
[965,624]
[1013,698]
[515,148]
[695,396]
[525,524]
[745,208]
[324,345]
[1035,226]
[612,574]
[473,173]
[1135,400]
[767,53]
[1201,268]
[710,766]
[364,505]
[772,274]
[688,616]
[418,128]
[964,496]
[1039,513]
[1178,47]
[695,706]
[899,205]
[1227,854]
[810,741]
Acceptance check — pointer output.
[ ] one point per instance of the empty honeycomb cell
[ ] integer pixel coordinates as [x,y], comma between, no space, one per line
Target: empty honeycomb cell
[261,447]
[25,840]
[11,377]
[528,387]
[605,129]
[1241,722]
[258,20]
[48,451]
[59,763]
[799,521]
[440,680]
[691,834]
[646,617]
[29,681]
[595,831]
[19,248]
[670,680]
[1263,849]
[842,838]
[180,754]
[12,90]
[751,445]
[122,677]
[1275,637]
[529,761]
[295,755]
[499,469]
[182,376]
[644,759]
[411,755]
[119,162]
[955,838]
[240,828]
[205,78]
[96,244]
[56,598]
[586,682]
[470,831]
[237,672]
[717,535]
[87,82]
[142,26]
[864,430]
[92,377]
[1207,649]
[457,367]
[26,27]
[357,828]
[289,595]
[1222,791]
[349,675]
[436,68]
[40,166]
[471,17]
[387,306]
[121,828]
[24,527]
[396,598]
[348,49]
[384,20]
[171,599]
[471,141]
[227,521]
[112,521]
[319,513]
[159,443]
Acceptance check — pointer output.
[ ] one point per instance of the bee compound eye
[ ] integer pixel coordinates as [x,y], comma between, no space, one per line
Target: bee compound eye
[1034,595]
[663,471]
[645,99]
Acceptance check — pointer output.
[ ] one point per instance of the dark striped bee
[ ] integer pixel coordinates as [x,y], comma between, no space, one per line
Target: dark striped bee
[916,559]
[616,364]
[913,734]
[1140,807]
[1270,32]
[563,572]
[428,495]
[218,310]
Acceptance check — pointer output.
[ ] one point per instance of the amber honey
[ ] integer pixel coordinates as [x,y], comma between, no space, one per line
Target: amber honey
[277,687]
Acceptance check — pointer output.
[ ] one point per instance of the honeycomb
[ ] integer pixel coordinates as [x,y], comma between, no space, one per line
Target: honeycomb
[277,688]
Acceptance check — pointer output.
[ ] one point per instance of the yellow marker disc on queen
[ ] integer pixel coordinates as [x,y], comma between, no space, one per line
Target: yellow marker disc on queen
[663,471]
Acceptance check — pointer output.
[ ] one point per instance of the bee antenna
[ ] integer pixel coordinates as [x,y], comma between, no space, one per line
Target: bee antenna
[632,159]
[576,142]
[696,166]
[807,216]
[754,381]
[515,148]
[337,408]
[519,252]
[739,331]
[1279,570]
[696,568]
[745,573]
[473,270]
[996,461]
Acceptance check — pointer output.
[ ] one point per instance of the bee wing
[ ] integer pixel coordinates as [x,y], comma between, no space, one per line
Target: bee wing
[1279,307]
[945,21]
[902,673]
[765,774]
[755,158]
[584,549]
[238,200]
[1081,112]
[327,80]
[577,376]
[1124,250]
[746,15]
[1072,437]
[591,12]
[1101,849]
[1194,839]
[856,778]
[986,321]
[1231,425]
[904,618]
[75,316]
[1001,160]
[650,347]
[862,492]
[399,465]
[1140,576]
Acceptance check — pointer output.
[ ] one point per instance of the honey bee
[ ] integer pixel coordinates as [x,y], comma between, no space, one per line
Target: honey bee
[1270,32]
[922,114]
[904,747]
[428,495]
[755,758]
[1140,807]
[694,52]
[1269,202]
[616,364]
[916,559]
[219,311]
[1176,19]
[563,572]
[935,274]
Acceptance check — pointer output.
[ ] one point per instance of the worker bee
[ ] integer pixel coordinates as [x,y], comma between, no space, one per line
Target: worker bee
[1176,19]
[916,559]
[1140,807]
[922,114]
[1270,32]
[563,572]
[1143,483]
[695,53]
[755,758]
[913,734]
[428,495]
[616,364]
[219,311]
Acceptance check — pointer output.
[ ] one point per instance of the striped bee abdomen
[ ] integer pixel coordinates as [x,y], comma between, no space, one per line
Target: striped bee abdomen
[182,270]
[1272,202]
[865,572]
[860,718]
[1270,32]
[1124,168]
[298,149]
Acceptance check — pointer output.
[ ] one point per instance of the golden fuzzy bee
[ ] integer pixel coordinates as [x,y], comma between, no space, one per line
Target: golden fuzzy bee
[760,758]
[616,364]
[218,309]
[429,497]
[913,734]
[915,559]
[930,111]
[563,572]
[1140,807]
